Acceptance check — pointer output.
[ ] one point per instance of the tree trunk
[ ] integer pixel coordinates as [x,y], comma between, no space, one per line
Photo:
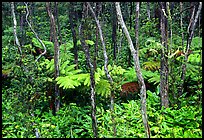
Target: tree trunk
[190,34]
[90,66]
[71,13]
[51,29]
[114,35]
[135,55]
[58,25]
[56,57]
[14,28]
[164,59]
[148,11]
[105,66]
[22,38]
[97,11]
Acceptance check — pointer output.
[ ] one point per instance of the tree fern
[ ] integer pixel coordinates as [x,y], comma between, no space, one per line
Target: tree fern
[151,65]
[67,82]
[103,88]
[152,77]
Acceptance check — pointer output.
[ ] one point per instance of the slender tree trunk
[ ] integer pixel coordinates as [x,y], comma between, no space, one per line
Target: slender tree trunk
[164,59]
[114,35]
[148,11]
[191,33]
[191,19]
[97,11]
[135,55]
[90,66]
[105,66]
[51,31]
[131,9]
[58,25]
[22,38]
[56,58]
[71,13]
[14,28]
[181,23]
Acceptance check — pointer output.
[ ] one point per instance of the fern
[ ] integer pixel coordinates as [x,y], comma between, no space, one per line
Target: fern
[152,77]
[130,75]
[194,58]
[151,65]
[103,88]
[67,82]
[49,45]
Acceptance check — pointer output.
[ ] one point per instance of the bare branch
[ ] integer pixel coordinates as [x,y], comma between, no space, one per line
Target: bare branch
[35,34]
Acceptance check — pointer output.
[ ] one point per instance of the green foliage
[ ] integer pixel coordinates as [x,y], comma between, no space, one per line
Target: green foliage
[196,44]
[103,88]
[49,45]
[152,77]
[151,65]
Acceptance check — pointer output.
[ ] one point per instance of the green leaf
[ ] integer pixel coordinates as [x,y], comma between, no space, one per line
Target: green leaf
[89,42]
[103,88]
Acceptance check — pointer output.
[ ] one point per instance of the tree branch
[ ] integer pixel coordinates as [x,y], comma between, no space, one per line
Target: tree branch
[35,34]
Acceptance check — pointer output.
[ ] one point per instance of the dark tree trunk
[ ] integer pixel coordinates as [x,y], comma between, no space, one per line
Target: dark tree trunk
[71,13]
[164,59]
[56,57]
[58,25]
[22,20]
[90,66]
[131,9]
[114,33]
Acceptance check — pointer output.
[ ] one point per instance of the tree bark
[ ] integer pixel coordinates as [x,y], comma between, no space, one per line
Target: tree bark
[190,34]
[90,66]
[97,11]
[114,33]
[14,28]
[148,11]
[56,58]
[105,66]
[22,38]
[181,23]
[164,59]
[135,55]
[58,25]
[71,13]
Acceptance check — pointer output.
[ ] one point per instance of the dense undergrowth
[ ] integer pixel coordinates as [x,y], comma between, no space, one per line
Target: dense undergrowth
[73,121]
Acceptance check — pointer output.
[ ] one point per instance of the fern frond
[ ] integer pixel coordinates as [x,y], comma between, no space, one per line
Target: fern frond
[151,65]
[67,82]
[69,68]
[103,88]
[152,77]
[130,75]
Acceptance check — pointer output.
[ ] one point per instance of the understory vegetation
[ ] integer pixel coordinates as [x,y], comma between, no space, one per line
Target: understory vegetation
[28,83]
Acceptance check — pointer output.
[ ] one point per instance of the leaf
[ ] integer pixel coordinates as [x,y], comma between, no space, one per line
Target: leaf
[89,42]
[103,88]
[67,82]
[71,67]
